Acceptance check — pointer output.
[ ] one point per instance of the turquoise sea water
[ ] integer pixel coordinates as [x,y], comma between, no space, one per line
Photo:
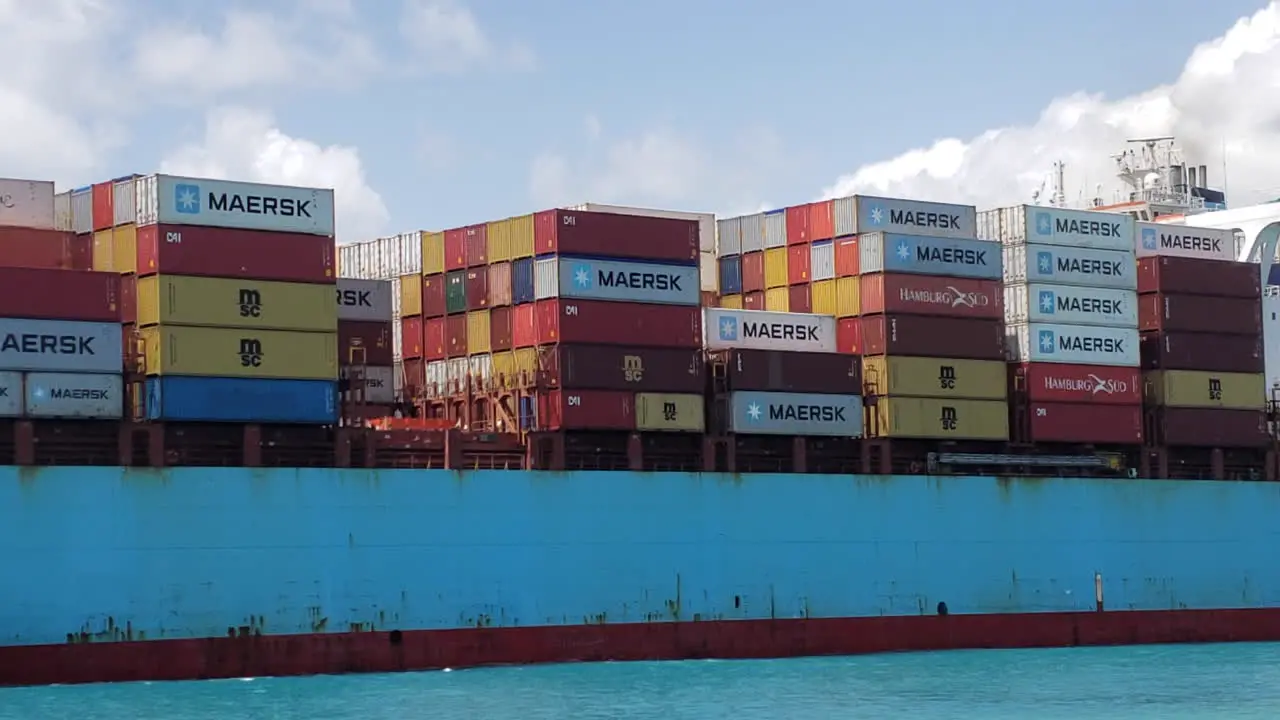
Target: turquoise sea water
[1240,682]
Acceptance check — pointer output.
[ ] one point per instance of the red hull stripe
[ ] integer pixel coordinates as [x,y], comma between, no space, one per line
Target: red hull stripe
[336,653]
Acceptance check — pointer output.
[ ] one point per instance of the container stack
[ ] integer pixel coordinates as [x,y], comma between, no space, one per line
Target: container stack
[1200,314]
[1071,312]
[112,218]
[235,295]
[35,228]
[365,358]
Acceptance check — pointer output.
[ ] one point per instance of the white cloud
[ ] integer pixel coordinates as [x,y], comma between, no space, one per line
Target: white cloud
[1228,92]
[244,144]
[445,37]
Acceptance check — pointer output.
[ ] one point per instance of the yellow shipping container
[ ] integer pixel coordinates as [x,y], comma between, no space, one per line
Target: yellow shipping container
[103,258]
[775,267]
[232,352]
[936,377]
[1198,389]
[823,297]
[124,248]
[232,303]
[941,419]
[526,361]
[477,332]
[777,299]
[521,237]
[731,302]
[669,412]
[432,252]
[504,368]
[498,240]
[410,295]
[848,297]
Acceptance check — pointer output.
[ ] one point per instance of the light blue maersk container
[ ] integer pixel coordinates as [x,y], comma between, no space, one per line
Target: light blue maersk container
[522,281]
[923,255]
[731,275]
[783,413]
[584,278]
[247,400]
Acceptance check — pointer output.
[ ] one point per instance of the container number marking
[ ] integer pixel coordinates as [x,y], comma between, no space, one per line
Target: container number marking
[173,237]
[569,220]
[571,310]
[574,401]
[1041,412]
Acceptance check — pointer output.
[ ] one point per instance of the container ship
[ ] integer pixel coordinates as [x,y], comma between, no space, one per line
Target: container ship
[858,425]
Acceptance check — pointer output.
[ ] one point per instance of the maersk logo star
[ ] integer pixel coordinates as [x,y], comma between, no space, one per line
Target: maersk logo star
[582,276]
[729,329]
[904,251]
[1150,240]
[1047,341]
[876,215]
[186,199]
[1044,261]
[754,412]
[1044,223]
[1046,302]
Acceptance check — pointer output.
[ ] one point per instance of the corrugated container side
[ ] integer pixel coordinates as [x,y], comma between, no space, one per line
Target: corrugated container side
[124,210]
[27,204]
[775,229]
[232,352]
[731,274]
[500,328]
[1197,389]
[432,252]
[1193,276]
[501,238]
[367,300]
[931,295]
[921,255]
[124,243]
[455,292]
[848,259]
[477,287]
[433,296]
[62,212]
[10,394]
[796,372]
[799,256]
[1210,352]
[936,377]
[708,273]
[1081,423]
[376,383]
[499,285]
[61,346]
[44,249]
[777,300]
[728,237]
[849,336]
[434,340]
[626,281]
[755,330]
[733,302]
[415,376]
[82,210]
[611,235]
[73,395]
[435,376]
[753,300]
[1085,267]
[41,294]
[753,272]
[927,336]
[228,303]
[914,217]
[670,412]
[477,239]
[522,281]
[799,300]
[1211,427]
[129,298]
[824,298]
[410,295]
[169,199]
[609,323]
[1200,313]
[244,400]
[807,414]
[504,370]
[797,225]
[455,249]
[411,337]
[846,216]
[1073,344]
[524,326]
[367,343]
[848,297]
[775,267]
[103,195]
[1182,241]
[822,222]
[103,252]
[455,336]
[384,258]
[251,254]
[752,227]
[522,236]
[1060,382]
[941,419]
[822,260]
[1038,302]
[481,369]
[478,330]
[546,278]
[586,410]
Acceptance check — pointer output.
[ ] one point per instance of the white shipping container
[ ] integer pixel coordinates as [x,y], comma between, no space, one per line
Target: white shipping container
[752,232]
[546,278]
[456,375]
[1038,225]
[379,385]
[27,203]
[846,216]
[481,369]
[708,272]
[123,200]
[706,221]
[60,346]
[775,228]
[10,394]
[1060,265]
[74,395]
[1071,305]
[1183,241]
[62,211]
[913,217]
[396,330]
[1072,344]
[177,200]
[822,260]
[728,237]
[437,374]
[725,329]
[82,210]
[364,300]
[381,259]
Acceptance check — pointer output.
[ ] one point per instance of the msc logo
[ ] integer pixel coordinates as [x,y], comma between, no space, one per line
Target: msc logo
[669,412]
[950,419]
[1215,389]
[186,198]
[1150,239]
[250,303]
[947,377]
[632,368]
[250,352]
[729,329]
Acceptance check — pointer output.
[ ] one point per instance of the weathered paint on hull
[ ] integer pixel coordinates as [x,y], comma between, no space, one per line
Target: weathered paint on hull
[316,566]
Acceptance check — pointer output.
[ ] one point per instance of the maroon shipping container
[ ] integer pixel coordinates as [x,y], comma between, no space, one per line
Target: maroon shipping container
[753,273]
[433,304]
[524,326]
[411,337]
[59,294]
[1200,313]
[1088,423]
[477,240]
[1210,427]
[616,367]
[364,343]
[928,336]
[616,323]
[45,249]
[455,336]
[753,300]
[1060,383]
[575,232]
[1195,276]
[129,298]
[433,339]
[800,372]
[931,295]
[586,410]
[415,375]
[103,209]
[223,252]
[798,270]
[501,335]
[798,225]
[477,288]
[849,336]
[455,249]
[499,284]
[1210,352]
[799,298]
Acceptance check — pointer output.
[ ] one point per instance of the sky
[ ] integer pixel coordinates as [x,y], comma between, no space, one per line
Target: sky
[430,114]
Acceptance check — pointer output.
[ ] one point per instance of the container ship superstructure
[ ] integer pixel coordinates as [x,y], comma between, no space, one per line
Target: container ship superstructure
[232,448]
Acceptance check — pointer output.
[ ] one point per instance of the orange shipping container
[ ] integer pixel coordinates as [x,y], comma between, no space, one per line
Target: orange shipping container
[798,225]
[753,301]
[822,220]
[455,249]
[849,336]
[499,284]
[798,259]
[847,259]
[433,304]
[411,337]
[500,335]
[433,340]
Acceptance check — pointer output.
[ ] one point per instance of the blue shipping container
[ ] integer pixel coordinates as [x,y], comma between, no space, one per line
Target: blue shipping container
[249,400]
[528,413]
[592,278]
[731,275]
[924,255]
[782,413]
[522,281]
[61,346]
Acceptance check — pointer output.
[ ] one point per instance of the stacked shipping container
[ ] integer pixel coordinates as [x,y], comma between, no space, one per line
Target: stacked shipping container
[1071,313]
[366,363]
[33,233]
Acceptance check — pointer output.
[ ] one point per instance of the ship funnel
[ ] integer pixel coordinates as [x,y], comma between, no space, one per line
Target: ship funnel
[1191,176]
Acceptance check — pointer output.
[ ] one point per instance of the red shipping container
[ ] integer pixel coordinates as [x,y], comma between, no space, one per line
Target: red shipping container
[586,410]
[619,367]
[455,336]
[800,299]
[753,300]
[1210,352]
[40,294]
[614,323]
[434,345]
[931,295]
[848,259]
[477,288]
[103,198]
[1200,313]
[129,298]
[1088,423]
[79,252]
[753,272]
[433,304]
[798,264]
[228,253]
[477,245]
[1211,427]
[501,334]
[414,376]
[1196,276]
[31,248]
[1058,383]
[849,336]
[365,343]
[822,220]
[524,326]
[574,232]
[926,336]
[798,225]
[455,249]
[499,284]
[797,372]
[411,334]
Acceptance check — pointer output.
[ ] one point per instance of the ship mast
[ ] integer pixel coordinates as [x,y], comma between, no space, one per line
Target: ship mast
[1158,178]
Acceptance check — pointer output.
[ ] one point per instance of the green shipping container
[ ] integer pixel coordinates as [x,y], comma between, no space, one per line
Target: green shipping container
[455,292]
